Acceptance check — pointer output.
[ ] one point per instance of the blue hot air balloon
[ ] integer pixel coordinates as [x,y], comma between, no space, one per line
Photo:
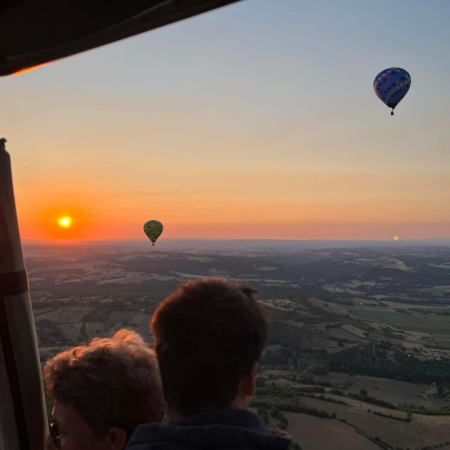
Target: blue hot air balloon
[391,85]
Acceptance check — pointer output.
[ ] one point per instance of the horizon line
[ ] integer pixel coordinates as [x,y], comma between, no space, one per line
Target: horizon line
[238,239]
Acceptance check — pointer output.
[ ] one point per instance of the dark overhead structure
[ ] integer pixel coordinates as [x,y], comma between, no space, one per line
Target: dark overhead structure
[37,32]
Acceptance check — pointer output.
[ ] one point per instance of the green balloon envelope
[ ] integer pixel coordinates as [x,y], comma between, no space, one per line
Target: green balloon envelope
[153,230]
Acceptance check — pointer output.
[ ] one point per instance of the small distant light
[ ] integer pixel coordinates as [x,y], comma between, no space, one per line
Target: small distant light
[396,238]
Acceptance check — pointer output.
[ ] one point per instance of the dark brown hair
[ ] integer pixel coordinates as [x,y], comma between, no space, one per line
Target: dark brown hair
[208,335]
[111,382]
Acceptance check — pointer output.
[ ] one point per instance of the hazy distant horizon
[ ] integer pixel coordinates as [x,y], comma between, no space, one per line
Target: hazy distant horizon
[233,244]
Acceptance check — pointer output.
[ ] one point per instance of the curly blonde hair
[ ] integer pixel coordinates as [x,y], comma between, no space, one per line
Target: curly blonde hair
[110,382]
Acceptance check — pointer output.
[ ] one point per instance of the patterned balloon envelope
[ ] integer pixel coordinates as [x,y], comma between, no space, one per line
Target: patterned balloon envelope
[153,230]
[391,85]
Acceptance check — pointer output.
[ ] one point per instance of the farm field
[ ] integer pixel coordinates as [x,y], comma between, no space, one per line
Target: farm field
[438,319]
[317,342]
[415,306]
[391,391]
[314,433]
[353,330]
[408,322]
[437,290]
[445,344]
[78,324]
[340,333]
[94,329]
[71,331]
[420,432]
[336,309]
[67,314]
[365,406]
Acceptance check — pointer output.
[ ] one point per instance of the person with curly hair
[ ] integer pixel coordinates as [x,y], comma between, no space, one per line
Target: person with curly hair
[101,392]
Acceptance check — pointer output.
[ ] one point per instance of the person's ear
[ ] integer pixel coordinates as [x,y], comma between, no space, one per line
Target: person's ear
[247,385]
[116,438]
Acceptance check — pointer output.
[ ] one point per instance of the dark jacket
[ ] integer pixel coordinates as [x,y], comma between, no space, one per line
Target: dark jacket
[229,429]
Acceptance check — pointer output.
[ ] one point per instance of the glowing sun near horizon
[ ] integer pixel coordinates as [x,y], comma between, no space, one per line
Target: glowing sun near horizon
[65,222]
[396,238]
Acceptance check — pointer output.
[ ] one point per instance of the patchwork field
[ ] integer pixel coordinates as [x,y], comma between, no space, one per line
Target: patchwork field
[408,322]
[340,333]
[391,391]
[339,309]
[94,329]
[314,433]
[67,314]
[326,306]
[71,331]
[317,342]
[353,330]
[419,432]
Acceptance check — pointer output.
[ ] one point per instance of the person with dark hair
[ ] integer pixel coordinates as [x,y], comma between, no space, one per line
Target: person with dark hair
[101,392]
[209,337]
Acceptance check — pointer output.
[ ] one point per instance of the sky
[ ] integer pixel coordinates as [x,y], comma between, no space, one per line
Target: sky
[257,120]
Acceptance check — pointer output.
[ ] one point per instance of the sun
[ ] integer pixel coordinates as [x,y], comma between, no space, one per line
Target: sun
[396,238]
[65,222]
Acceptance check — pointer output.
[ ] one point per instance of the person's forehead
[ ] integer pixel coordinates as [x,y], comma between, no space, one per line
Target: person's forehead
[68,418]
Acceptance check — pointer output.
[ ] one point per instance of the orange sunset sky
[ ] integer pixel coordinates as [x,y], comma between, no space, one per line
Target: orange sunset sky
[248,122]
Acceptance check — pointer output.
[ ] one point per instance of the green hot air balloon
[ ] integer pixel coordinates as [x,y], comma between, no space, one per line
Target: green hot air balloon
[153,230]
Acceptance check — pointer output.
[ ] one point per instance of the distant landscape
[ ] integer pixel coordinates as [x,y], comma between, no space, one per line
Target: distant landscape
[359,351]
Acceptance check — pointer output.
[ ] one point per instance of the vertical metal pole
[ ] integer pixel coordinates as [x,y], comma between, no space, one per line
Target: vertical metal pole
[23,419]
